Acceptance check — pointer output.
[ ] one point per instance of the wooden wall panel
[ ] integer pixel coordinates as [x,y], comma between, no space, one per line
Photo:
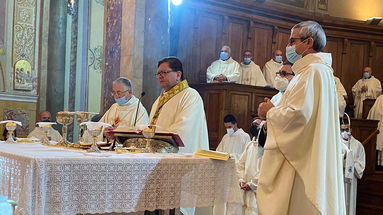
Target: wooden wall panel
[260,43]
[377,63]
[282,39]
[335,47]
[353,62]
[240,104]
[237,38]
[214,115]
[209,31]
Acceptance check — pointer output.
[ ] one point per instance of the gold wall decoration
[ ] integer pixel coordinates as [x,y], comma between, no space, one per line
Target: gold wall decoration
[23,76]
[24,31]
[323,4]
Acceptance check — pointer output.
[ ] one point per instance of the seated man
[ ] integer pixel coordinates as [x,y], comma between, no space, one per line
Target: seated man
[123,112]
[38,132]
[355,162]
[271,67]
[224,69]
[282,80]
[251,73]
[235,139]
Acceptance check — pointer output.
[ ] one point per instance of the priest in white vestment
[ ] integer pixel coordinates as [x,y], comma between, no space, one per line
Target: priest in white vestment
[225,69]
[179,109]
[39,133]
[251,73]
[271,67]
[342,96]
[366,88]
[355,162]
[376,113]
[301,171]
[124,112]
[282,80]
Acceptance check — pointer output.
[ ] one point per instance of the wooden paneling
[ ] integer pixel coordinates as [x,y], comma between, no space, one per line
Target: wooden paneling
[260,43]
[214,116]
[335,47]
[237,37]
[240,106]
[377,64]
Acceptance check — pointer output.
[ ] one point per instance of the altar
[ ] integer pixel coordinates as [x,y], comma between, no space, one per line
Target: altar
[53,180]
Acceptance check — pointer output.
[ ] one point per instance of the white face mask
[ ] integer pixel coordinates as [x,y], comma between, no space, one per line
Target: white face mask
[345,135]
[281,83]
[278,59]
[230,131]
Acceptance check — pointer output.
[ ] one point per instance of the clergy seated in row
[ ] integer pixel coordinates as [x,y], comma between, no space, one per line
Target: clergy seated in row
[123,112]
[353,164]
[39,133]
[342,96]
[271,67]
[251,73]
[235,139]
[307,118]
[376,113]
[282,80]
[366,88]
[248,168]
[233,142]
[225,69]
[179,109]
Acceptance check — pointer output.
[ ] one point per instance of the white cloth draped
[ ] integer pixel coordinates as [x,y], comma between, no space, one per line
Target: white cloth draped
[230,68]
[269,71]
[251,74]
[234,143]
[356,167]
[125,114]
[301,171]
[376,113]
[374,90]
[276,99]
[184,114]
[39,133]
[342,94]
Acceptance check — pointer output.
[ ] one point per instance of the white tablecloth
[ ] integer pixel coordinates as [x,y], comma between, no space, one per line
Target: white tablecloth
[50,180]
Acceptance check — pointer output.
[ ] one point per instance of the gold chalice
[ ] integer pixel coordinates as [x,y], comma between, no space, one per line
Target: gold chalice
[46,126]
[82,116]
[10,125]
[64,118]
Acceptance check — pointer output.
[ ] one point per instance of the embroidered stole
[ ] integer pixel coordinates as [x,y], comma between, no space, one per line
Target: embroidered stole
[165,97]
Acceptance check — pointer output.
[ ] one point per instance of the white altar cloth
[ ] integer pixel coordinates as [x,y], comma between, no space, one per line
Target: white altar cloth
[50,180]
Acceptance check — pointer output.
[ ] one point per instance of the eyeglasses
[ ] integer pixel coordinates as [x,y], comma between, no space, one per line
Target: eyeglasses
[284,73]
[292,40]
[162,73]
[118,93]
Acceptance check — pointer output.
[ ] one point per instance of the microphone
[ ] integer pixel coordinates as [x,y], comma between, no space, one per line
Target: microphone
[138,105]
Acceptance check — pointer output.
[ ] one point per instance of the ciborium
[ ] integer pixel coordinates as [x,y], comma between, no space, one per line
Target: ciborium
[82,116]
[45,126]
[94,129]
[10,125]
[64,118]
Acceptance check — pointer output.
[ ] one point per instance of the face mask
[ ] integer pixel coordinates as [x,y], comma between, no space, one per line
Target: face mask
[366,75]
[278,59]
[291,54]
[281,83]
[224,55]
[122,100]
[345,135]
[246,60]
[230,131]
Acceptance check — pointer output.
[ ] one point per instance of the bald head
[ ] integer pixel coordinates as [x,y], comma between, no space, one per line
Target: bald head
[45,116]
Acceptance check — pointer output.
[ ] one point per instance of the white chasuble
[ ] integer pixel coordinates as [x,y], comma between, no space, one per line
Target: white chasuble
[374,90]
[353,171]
[184,114]
[301,170]
[341,92]
[229,68]
[251,74]
[376,113]
[234,143]
[124,115]
[269,71]
[39,133]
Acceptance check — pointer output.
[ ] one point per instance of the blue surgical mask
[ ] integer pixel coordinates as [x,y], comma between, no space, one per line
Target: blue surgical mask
[278,59]
[122,100]
[247,60]
[366,75]
[291,54]
[224,55]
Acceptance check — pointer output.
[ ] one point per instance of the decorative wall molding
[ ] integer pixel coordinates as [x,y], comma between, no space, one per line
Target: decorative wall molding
[18,98]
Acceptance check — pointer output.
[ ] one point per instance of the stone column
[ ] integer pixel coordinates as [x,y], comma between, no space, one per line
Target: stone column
[56,56]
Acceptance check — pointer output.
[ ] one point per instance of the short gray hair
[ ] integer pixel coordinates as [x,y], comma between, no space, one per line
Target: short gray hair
[314,30]
[122,80]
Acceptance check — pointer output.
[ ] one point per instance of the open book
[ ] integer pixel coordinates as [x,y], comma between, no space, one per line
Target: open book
[212,154]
